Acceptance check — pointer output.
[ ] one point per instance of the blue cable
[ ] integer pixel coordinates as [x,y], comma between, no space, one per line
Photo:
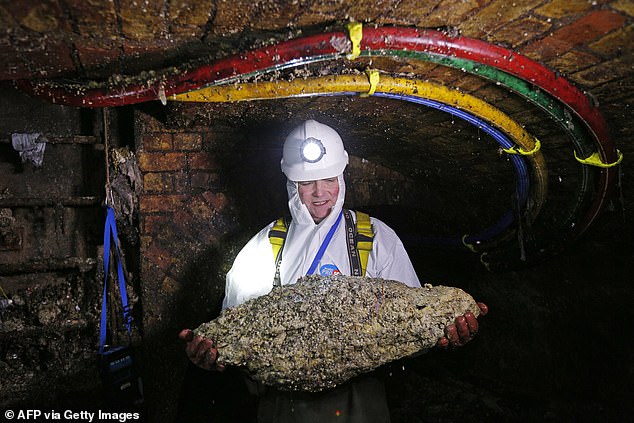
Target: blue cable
[523,177]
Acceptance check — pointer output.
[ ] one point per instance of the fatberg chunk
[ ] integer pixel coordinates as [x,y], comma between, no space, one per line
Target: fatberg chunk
[322,331]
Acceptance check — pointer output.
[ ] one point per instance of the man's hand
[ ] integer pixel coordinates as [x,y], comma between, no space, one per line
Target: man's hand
[462,330]
[200,351]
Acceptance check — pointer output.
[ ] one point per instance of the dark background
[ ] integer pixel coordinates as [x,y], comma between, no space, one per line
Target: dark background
[556,345]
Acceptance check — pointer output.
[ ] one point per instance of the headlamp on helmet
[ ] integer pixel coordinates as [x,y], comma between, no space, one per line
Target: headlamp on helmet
[312,150]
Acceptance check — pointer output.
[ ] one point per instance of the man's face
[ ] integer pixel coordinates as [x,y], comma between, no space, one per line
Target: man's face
[319,196]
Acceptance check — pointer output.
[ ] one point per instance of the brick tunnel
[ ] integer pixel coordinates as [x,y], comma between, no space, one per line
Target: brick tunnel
[494,141]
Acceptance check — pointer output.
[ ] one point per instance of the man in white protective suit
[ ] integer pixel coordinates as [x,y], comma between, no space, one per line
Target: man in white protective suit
[316,242]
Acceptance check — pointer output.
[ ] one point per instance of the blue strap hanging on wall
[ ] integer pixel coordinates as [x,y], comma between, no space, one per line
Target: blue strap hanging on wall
[110,231]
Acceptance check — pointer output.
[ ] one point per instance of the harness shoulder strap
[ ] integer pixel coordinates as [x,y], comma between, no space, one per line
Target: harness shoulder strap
[277,237]
[365,237]
[359,237]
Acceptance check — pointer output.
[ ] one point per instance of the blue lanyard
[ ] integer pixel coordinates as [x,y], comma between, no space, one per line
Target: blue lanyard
[111,229]
[324,245]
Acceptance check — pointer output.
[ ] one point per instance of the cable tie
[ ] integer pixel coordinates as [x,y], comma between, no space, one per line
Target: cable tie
[485,263]
[373,78]
[516,150]
[595,160]
[469,246]
[355,31]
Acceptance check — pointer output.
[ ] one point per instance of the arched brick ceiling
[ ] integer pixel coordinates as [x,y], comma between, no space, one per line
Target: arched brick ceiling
[587,42]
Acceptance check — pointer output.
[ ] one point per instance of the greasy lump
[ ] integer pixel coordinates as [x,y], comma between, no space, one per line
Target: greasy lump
[322,331]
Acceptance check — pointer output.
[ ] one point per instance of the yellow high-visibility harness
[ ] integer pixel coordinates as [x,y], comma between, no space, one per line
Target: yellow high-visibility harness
[359,237]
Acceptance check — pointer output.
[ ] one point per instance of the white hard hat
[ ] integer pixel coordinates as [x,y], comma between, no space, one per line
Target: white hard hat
[313,151]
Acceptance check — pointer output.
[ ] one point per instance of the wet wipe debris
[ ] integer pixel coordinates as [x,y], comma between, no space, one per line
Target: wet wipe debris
[322,331]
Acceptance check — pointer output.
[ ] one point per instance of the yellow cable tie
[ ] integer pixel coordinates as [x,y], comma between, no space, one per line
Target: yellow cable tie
[355,30]
[595,160]
[373,78]
[468,245]
[486,264]
[515,150]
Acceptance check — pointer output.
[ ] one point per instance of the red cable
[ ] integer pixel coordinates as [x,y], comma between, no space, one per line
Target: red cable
[307,49]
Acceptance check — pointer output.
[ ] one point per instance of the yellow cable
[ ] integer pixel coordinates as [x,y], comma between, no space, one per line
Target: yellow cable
[361,84]
[388,84]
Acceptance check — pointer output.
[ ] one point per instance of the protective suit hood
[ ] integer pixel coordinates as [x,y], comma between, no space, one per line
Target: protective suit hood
[304,235]
[300,213]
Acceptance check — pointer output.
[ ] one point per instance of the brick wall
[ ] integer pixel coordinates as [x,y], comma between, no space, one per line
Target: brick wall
[184,212]
[184,208]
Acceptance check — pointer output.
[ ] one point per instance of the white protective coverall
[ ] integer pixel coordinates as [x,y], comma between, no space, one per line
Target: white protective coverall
[362,400]
[253,270]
